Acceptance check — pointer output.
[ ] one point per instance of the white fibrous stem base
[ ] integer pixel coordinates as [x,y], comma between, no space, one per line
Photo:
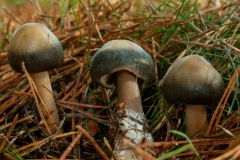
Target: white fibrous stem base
[133,128]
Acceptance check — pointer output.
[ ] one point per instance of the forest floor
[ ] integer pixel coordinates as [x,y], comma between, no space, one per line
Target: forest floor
[167,30]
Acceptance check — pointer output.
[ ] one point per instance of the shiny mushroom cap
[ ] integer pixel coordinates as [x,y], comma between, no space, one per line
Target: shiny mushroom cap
[118,55]
[37,47]
[193,80]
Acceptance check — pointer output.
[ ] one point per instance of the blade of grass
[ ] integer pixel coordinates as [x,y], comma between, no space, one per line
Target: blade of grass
[237,79]
[118,19]
[189,141]
[174,152]
[79,29]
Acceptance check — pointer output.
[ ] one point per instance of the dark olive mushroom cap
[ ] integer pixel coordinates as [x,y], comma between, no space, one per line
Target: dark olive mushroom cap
[193,80]
[37,47]
[117,55]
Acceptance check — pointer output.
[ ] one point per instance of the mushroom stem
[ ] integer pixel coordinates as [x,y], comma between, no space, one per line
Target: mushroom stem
[132,120]
[44,88]
[128,91]
[196,120]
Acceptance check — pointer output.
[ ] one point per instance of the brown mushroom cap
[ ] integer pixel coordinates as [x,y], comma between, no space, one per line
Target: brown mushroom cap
[37,47]
[118,55]
[193,80]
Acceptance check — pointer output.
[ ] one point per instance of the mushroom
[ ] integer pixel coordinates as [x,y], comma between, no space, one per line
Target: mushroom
[127,66]
[40,50]
[193,81]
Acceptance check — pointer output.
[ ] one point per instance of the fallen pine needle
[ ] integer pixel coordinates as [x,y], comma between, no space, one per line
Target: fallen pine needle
[33,146]
[93,142]
[8,133]
[229,154]
[138,150]
[19,121]
[177,143]
[71,145]
[110,148]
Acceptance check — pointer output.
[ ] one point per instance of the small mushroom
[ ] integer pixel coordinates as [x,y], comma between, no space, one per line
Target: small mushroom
[193,81]
[40,50]
[126,65]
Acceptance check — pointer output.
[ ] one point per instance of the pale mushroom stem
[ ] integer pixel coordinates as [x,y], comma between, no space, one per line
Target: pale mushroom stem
[44,88]
[128,91]
[196,120]
[129,94]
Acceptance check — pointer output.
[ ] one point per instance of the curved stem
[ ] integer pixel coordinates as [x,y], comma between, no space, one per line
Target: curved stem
[44,88]
[196,120]
[132,121]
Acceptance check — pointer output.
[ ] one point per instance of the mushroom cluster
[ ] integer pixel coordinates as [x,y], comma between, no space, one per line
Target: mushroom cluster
[40,50]
[193,81]
[127,66]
